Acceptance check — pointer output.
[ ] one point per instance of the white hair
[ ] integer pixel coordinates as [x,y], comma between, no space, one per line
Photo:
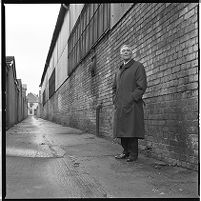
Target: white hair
[125,45]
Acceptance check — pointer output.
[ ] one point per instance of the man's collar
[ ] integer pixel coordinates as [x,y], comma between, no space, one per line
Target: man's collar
[127,64]
[127,61]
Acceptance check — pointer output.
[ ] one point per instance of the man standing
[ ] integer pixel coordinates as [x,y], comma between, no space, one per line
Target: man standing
[128,88]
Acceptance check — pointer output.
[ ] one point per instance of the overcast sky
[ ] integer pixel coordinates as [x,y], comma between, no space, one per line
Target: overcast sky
[29,30]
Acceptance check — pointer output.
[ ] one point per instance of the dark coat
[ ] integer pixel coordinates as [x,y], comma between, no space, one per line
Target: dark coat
[129,86]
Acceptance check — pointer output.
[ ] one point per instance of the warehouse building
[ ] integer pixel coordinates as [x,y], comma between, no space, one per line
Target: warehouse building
[33,102]
[76,83]
[16,102]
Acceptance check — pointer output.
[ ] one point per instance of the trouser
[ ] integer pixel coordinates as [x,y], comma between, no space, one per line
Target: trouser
[130,146]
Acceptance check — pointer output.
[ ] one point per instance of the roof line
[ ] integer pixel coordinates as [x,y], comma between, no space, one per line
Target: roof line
[10,59]
[57,29]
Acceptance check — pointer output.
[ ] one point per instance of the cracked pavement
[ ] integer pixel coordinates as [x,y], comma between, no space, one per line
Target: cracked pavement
[48,160]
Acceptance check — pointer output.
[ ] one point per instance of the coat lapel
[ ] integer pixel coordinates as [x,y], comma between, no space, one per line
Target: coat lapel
[124,67]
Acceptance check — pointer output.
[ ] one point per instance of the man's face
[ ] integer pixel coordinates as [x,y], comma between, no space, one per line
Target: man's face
[126,53]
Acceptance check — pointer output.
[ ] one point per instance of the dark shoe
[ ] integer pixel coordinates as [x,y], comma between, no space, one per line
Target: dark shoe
[131,159]
[122,156]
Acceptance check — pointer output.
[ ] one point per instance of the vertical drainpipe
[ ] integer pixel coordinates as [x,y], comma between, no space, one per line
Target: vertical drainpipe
[98,108]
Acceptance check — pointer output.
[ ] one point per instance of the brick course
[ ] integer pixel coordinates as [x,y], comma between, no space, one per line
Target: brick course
[165,40]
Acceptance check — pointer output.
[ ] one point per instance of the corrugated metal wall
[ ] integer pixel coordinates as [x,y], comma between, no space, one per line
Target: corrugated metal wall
[16,104]
[62,65]
[75,10]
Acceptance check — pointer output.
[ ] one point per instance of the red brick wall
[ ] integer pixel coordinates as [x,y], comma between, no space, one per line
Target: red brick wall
[165,40]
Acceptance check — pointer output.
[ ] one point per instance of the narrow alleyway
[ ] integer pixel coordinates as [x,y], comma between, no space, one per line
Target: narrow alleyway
[47,160]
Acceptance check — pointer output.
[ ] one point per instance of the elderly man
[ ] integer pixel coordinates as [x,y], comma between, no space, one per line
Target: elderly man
[128,88]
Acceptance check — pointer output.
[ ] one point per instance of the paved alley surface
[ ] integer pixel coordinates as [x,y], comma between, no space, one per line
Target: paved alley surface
[48,160]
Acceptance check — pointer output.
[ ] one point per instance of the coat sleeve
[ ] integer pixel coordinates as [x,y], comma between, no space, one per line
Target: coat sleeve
[141,82]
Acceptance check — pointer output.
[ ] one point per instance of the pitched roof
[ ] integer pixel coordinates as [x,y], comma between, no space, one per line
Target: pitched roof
[9,59]
[10,62]
[32,98]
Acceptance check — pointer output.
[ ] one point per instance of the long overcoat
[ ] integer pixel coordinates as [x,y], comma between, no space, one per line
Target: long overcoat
[129,86]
